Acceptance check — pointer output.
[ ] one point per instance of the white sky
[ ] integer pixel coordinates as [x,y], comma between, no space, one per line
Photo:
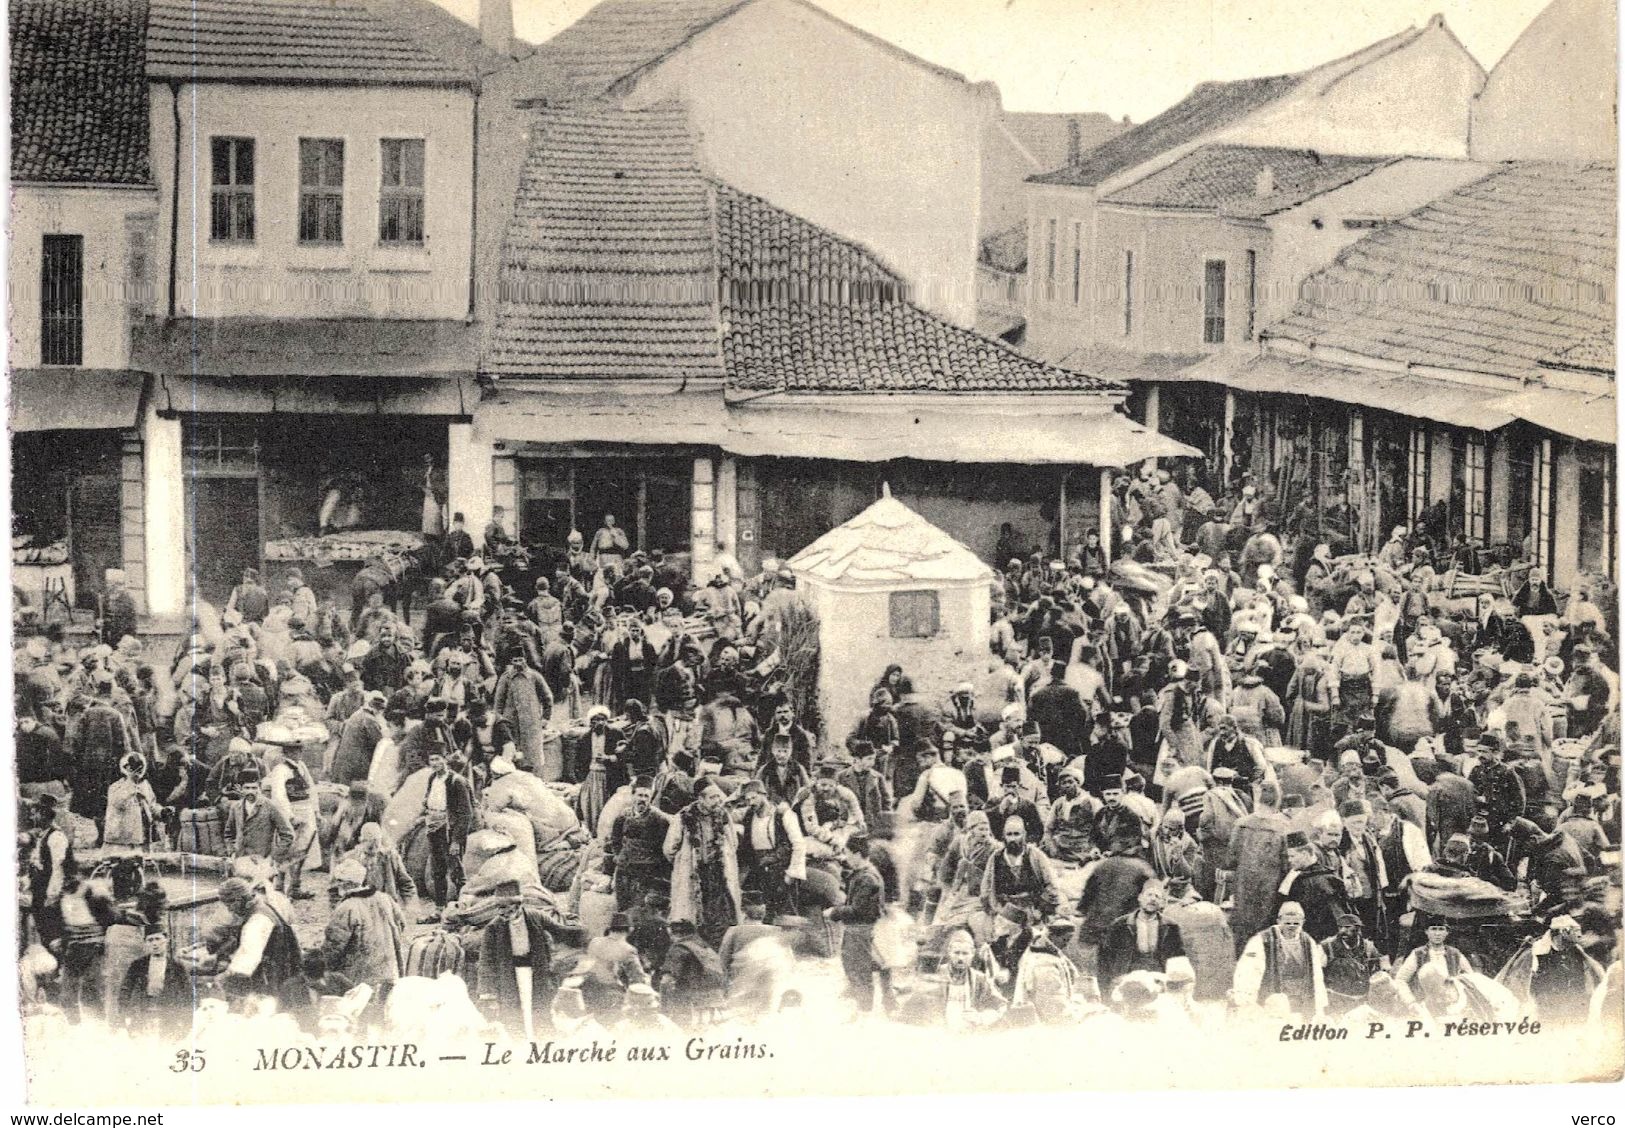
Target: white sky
[1134,57]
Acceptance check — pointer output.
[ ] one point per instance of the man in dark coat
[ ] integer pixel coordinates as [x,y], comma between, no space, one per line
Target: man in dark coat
[1141,940]
[1111,889]
[865,897]
[156,996]
[1061,715]
[1117,826]
[358,739]
[447,817]
[1500,788]
[384,667]
[118,610]
[636,856]
[1314,886]
[916,721]
[100,741]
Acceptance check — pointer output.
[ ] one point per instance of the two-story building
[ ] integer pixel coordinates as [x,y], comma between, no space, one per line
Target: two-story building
[1182,236]
[309,337]
[83,209]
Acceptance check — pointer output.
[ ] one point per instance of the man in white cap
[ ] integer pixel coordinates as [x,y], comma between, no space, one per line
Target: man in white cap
[1283,960]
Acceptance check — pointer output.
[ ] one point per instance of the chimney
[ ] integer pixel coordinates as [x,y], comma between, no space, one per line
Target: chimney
[1264,183]
[496,25]
[1074,141]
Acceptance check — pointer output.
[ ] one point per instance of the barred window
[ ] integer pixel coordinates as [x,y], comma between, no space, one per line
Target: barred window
[400,191]
[62,300]
[321,191]
[1213,302]
[231,179]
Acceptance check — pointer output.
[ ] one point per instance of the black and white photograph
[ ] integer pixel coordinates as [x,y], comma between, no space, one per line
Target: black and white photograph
[657,548]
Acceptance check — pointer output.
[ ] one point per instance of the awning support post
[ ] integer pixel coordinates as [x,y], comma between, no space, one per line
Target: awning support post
[1106,527]
[1229,435]
[1060,512]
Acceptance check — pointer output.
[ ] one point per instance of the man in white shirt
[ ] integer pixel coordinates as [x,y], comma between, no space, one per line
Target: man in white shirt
[267,952]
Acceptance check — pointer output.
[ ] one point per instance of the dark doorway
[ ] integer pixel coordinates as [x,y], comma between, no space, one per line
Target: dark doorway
[224,516]
[97,545]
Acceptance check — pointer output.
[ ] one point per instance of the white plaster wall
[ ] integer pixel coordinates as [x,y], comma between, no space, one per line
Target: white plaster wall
[469,477]
[276,276]
[116,224]
[856,647]
[823,122]
[1554,95]
[1413,101]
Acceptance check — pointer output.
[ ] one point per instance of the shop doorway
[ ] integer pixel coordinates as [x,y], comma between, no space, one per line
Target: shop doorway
[224,517]
[93,509]
[607,486]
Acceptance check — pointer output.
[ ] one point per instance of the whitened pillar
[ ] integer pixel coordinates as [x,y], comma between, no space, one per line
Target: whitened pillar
[166,532]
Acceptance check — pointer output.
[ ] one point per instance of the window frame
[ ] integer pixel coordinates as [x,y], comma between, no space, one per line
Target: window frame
[1128,291]
[233,189]
[62,300]
[908,615]
[1049,259]
[321,193]
[1250,326]
[1077,262]
[403,193]
[1214,323]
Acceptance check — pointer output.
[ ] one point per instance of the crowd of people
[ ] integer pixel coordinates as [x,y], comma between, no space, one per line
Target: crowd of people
[1228,770]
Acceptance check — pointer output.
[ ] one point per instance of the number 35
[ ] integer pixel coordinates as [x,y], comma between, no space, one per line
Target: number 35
[187,1061]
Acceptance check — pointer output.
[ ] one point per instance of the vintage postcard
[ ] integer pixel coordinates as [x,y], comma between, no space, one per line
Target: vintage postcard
[572,548]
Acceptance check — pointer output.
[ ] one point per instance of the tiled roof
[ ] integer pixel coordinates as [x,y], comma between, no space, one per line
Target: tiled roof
[618,37]
[1007,250]
[1048,137]
[805,310]
[1595,353]
[888,543]
[619,249]
[1211,106]
[339,42]
[1500,276]
[78,95]
[608,267]
[444,36]
[1226,177]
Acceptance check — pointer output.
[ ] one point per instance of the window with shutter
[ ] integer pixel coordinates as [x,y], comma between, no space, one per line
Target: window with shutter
[1213,302]
[231,179]
[914,614]
[400,192]
[321,191]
